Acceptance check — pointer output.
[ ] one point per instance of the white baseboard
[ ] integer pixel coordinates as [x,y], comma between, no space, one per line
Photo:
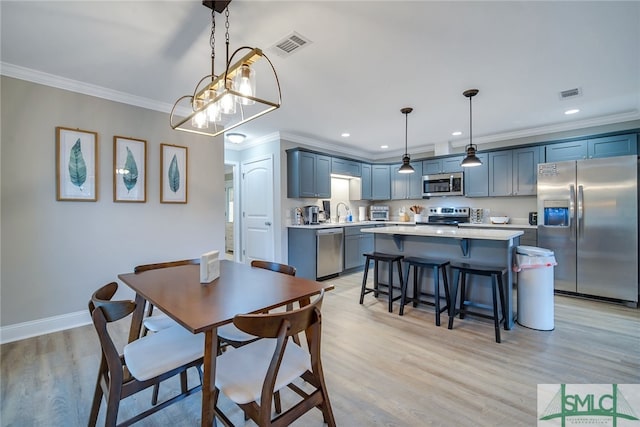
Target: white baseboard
[34,328]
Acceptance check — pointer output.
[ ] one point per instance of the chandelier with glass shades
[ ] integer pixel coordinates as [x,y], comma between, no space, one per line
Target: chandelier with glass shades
[224,101]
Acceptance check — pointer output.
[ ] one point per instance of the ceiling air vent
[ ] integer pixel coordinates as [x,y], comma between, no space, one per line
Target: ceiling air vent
[570,93]
[291,43]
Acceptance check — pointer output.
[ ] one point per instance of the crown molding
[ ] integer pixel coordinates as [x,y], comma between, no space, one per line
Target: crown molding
[22,73]
[559,127]
[253,142]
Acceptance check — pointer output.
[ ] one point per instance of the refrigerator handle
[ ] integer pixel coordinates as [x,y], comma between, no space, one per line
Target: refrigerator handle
[580,209]
[572,205]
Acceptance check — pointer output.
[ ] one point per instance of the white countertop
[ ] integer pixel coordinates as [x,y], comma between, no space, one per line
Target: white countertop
[344,224]
[409,224]
[447,231]
[520,226]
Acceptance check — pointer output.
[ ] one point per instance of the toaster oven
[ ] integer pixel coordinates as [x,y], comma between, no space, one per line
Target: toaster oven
[379,213]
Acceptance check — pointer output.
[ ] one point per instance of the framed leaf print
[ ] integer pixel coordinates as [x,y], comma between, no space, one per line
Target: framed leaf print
[173,174]
[76,165]
[129,169]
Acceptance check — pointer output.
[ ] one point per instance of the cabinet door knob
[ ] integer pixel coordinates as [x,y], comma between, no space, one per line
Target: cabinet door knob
[267,223]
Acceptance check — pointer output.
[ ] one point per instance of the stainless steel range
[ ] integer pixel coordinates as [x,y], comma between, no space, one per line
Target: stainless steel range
[446,216]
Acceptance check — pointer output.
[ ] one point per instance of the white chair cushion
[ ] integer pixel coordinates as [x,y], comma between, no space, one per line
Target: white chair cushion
[240,372]
[162,351]
[230,332]
[158,322]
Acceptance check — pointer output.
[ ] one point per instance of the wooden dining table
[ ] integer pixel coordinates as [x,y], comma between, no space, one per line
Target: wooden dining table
[202,308]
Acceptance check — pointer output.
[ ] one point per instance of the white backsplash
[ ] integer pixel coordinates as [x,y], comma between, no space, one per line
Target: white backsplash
[517,208]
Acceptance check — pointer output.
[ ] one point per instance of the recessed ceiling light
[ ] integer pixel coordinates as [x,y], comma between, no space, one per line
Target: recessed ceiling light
[456,133]
[345,134]
[573,111]
[384,146]
[236,138]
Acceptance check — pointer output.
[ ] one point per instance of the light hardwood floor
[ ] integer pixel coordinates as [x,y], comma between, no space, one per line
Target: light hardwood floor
[381,369]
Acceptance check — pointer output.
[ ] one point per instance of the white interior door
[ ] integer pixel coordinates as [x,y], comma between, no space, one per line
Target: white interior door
[258,239]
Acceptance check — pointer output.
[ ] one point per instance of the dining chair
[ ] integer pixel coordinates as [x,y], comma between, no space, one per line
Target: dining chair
[145,362]
[251,374]
[157,322]
[229,334]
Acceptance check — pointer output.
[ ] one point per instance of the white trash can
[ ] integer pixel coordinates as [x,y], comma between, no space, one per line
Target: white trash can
[535,287]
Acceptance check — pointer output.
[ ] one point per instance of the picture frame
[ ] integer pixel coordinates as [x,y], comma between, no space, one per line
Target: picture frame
[173,174]
[129,170]
[76,165]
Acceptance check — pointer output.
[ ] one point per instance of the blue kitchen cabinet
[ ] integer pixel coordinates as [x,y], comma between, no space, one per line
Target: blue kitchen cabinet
[380,182]
[500,173]
[525,171]
[365,182]
[476,179]
[308,175]
[443,165]
[572,150]
[610,146]
[355,244]
[406,185]
[346,167]
[607,146]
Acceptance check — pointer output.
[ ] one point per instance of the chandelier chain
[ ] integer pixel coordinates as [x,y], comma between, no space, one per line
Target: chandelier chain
[226,24]
[212,38]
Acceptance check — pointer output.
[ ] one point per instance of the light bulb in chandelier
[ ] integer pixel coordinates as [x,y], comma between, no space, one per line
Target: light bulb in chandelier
[199,120]
[214,114]
[244,82]
[227,102]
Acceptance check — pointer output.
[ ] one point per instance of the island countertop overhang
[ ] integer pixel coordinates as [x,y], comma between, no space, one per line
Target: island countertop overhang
[446,231]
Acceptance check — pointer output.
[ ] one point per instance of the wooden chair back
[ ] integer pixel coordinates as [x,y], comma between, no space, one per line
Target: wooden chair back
[114,380]
[274,266]
[270,325]
[146,267]
[281,326]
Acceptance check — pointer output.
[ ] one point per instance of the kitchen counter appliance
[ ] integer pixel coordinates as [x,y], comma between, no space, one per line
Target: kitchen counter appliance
[446,216]
[443,184]
[311,214]
[588,216]
[379,213]
[329,252]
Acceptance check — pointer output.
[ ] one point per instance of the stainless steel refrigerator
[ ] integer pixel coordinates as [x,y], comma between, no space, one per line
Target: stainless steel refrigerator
[588,215]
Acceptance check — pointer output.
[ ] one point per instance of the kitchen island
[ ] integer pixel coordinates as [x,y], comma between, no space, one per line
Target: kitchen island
[482,246]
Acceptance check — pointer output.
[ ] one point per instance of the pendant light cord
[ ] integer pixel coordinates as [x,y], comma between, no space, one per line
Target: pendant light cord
[406,131]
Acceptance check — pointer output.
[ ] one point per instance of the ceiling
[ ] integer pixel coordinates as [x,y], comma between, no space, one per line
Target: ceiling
[366,60]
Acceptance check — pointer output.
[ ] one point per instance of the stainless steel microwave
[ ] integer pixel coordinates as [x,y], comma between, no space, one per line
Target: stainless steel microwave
[443,184]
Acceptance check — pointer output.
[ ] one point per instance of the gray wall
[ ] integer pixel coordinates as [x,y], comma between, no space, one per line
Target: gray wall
[55,254]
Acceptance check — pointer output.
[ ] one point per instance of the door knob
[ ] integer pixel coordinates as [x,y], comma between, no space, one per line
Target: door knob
[267,223]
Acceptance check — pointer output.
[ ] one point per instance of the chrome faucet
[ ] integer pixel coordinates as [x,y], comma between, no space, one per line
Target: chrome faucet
[338,208]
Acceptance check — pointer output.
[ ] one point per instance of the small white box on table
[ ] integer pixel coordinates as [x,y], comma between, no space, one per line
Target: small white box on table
[209,267]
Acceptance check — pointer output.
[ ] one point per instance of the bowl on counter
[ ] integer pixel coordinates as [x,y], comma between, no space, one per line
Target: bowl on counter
[499,219]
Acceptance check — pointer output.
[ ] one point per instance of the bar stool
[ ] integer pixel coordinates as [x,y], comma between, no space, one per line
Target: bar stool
[496,274]
[438,267]
[378,257]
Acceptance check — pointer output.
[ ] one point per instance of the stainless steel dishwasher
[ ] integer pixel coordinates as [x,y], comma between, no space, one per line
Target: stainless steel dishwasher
[329,252]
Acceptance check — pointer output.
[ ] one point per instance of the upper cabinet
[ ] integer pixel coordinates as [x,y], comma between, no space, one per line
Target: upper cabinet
[308,175]
[444,165]
[514,172]
[346,167]
[500,173]
[406,185]
[476,179]
[608,146]
[380,182]
[365,182]
[611,146]
[525,171]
